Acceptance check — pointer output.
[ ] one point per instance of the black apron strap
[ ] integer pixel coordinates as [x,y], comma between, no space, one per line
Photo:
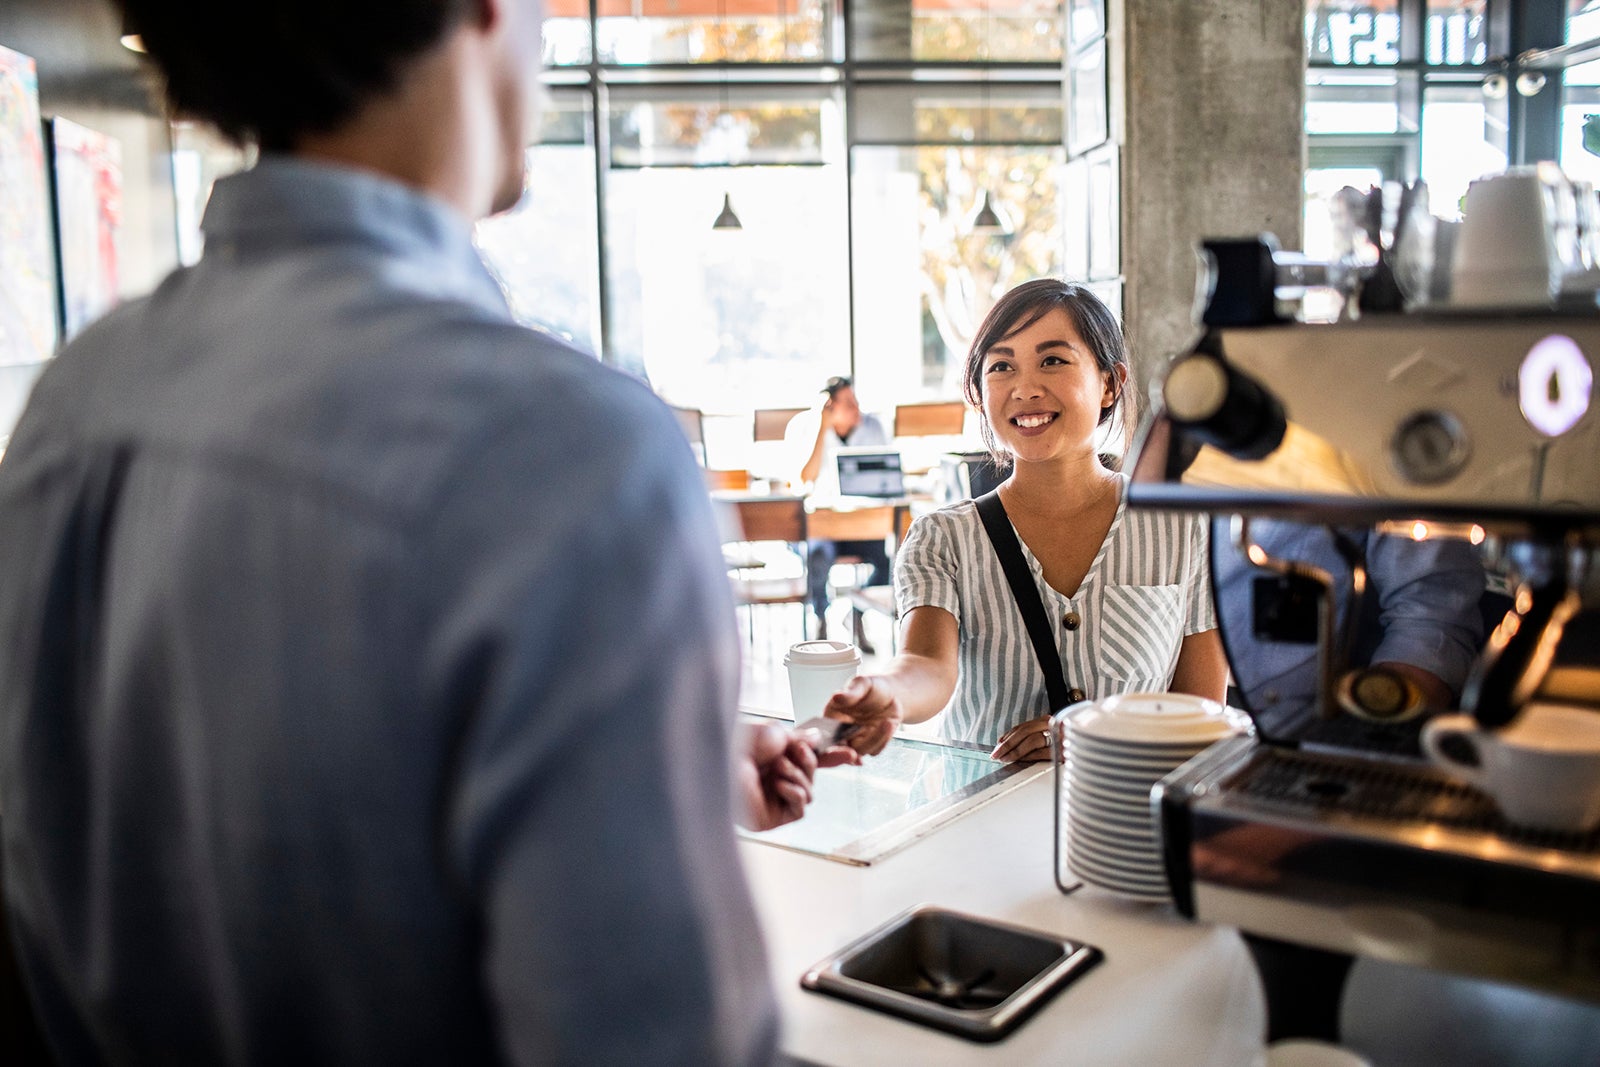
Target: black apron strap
[1026,594]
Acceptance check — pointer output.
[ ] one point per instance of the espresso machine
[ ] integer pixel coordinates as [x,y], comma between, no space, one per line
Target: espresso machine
[1328,833]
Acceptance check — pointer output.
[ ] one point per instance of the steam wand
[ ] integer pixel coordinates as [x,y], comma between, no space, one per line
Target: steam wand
[1520,650]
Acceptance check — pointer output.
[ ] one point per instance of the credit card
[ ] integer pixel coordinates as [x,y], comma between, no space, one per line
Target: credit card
[821,732]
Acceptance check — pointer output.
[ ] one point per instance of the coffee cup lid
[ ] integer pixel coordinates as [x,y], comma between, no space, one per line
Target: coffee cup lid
[821,654]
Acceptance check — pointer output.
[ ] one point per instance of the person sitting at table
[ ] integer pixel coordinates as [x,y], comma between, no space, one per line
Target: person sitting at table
[814,438]
[1126,594]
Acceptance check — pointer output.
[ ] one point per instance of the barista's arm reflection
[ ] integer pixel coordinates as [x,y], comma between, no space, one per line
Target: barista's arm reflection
[1429,626]
[1420,616]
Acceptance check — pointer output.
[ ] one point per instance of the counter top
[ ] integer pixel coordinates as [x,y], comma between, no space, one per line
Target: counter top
[1168,991]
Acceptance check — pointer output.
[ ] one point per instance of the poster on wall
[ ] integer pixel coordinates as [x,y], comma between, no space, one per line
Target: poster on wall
[27,260]
[88,172]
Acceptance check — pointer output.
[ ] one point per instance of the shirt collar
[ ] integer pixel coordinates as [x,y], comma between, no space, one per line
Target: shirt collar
[285,201]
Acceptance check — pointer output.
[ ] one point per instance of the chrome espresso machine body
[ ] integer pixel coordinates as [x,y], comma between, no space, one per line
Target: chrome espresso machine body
[1328,828]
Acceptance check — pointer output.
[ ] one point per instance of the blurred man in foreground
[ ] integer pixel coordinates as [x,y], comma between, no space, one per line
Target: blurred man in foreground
[368,661]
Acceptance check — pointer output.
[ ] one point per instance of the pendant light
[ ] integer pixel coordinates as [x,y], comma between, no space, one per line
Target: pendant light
[988,219]
[727,219]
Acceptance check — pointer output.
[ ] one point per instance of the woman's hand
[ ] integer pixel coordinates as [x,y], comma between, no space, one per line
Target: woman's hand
[869,700]
[1025,742]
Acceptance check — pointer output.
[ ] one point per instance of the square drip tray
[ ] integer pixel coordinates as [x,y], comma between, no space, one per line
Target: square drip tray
[973,977]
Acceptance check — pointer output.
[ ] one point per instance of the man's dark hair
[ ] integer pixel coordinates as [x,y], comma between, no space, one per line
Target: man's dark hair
[836,383]
[277,71]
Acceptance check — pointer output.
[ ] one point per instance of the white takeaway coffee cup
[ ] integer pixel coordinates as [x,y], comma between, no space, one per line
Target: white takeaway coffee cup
[817,670]
[1543,770]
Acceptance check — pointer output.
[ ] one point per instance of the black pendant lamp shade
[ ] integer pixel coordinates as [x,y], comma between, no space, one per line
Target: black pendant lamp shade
[989,219]
[727,220]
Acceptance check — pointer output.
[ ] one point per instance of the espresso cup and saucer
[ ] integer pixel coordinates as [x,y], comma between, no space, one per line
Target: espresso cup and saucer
[1542,771]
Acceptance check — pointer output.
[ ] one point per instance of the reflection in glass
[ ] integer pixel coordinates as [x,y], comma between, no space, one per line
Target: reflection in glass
[1344,101]
[1463,138]
[1417,604]
[1457,32]
[1353,31]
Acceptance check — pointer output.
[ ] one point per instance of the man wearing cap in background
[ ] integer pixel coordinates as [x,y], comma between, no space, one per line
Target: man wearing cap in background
[814,438]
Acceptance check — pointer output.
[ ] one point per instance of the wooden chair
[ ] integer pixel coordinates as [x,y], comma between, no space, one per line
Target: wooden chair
[929,419]
[727,479]
[770,423]
[874,523]
[767,521]
[693,422]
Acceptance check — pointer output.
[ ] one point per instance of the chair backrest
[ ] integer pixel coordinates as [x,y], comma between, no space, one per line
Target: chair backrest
[928,419]
[770,423]
[694,428]
[853,524]
[727,479]
[780,518]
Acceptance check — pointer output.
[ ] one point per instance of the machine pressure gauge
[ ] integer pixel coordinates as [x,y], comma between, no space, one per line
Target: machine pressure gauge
[1429,448]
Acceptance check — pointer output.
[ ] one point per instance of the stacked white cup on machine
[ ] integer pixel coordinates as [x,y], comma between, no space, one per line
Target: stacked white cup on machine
[1110,753]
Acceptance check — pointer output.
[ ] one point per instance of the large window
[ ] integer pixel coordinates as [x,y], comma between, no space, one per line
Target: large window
[926,162]
[1395,90]
[855,144]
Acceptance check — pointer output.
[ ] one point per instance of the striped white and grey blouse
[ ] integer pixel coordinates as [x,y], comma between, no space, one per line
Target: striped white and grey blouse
[1147,589]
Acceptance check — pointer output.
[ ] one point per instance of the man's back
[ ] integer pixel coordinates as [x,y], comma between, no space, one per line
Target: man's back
[364,654]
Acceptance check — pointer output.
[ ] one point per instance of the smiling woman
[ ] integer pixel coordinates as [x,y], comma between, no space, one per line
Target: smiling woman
[1124,596]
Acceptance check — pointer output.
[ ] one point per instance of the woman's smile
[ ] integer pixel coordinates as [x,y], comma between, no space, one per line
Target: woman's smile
[1033,422]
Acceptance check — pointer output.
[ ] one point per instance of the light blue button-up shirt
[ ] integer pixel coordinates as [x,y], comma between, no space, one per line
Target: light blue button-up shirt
[366,671]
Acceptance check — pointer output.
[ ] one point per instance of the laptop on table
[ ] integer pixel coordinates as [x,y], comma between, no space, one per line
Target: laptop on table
[870,472]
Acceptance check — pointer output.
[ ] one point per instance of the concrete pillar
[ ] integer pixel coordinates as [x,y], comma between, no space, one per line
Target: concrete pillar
[1212,109]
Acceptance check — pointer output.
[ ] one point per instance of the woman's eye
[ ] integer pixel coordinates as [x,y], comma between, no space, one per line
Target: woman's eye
[998,365]
[1054,361]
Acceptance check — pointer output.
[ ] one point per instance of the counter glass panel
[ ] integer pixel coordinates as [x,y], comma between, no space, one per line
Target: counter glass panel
[861,814]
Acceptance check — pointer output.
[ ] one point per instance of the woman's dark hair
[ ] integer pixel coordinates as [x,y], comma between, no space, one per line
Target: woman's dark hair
[276,71]
[1027,304]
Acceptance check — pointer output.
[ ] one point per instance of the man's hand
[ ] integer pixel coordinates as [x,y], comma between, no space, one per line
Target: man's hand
[774,774]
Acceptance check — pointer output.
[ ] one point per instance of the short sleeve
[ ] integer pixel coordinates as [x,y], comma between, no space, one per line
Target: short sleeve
[1201,612]
[926,567]
[799,437]
[1428,595]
